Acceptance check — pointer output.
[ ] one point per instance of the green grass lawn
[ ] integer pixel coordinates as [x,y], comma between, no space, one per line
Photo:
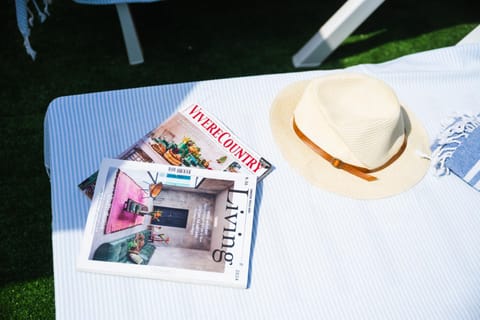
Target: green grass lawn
[80,49]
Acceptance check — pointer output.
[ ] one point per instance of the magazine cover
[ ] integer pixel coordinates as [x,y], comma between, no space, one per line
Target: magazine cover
[167,222]
[194,138]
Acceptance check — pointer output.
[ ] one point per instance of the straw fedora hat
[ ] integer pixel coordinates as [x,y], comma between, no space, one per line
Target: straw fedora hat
[348,133]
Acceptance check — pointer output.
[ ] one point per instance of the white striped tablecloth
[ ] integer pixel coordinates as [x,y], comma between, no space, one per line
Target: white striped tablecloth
[316,255]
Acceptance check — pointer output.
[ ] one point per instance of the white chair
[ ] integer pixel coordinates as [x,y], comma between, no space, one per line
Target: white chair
[132,44]
[334,31]
[472,37]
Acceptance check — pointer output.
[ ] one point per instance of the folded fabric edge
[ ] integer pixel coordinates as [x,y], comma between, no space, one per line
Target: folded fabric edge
[455,130]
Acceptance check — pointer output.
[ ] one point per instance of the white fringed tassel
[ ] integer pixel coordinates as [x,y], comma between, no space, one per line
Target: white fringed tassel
[31,17]
[453,133]
[42,15]
[45,7]
[29,49]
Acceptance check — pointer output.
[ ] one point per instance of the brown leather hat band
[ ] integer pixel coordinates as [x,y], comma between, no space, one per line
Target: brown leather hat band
[360,172]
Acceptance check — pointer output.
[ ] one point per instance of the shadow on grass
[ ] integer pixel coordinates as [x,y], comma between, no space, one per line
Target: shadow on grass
[378,48]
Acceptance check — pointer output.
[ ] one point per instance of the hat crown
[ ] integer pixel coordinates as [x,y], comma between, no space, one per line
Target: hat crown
[353,117]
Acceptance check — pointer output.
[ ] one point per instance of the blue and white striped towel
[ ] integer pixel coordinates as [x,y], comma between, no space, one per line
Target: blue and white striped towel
[457,150]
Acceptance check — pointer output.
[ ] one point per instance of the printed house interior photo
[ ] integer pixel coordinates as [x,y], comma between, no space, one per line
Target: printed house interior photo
[160,224]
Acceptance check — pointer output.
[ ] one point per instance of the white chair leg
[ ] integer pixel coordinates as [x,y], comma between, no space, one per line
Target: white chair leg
[134,50]
[334,31]
[472,37]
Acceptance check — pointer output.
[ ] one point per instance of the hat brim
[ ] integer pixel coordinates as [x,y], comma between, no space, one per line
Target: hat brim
[401,175]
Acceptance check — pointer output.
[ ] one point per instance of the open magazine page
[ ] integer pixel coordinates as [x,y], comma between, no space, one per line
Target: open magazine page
[194,138]
[167,222]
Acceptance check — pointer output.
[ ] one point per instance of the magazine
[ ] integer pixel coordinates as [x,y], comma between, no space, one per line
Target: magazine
[192,137]
[167,222]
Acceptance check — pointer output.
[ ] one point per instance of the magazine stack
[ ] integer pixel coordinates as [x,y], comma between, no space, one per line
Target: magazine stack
[178,205]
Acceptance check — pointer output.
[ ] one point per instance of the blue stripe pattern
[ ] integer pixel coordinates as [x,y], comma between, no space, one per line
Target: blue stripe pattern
[22,17]
[465,161]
